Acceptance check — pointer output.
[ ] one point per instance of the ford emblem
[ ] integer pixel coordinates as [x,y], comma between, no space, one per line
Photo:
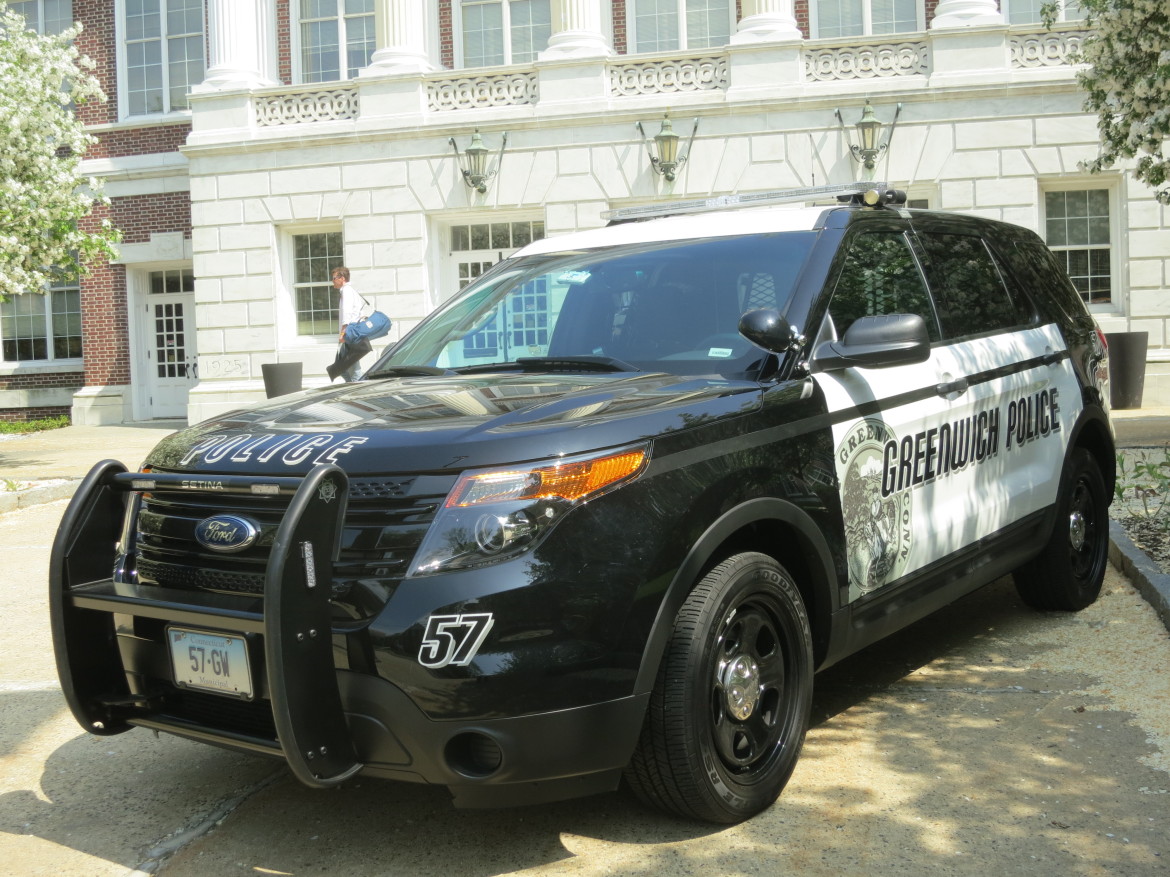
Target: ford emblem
[226,533]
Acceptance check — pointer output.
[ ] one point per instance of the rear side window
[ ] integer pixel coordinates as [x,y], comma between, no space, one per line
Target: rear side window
[969,290]
[880,276]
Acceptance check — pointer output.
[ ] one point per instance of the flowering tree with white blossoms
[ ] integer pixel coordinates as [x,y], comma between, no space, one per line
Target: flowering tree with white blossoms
[1128,85]
[43,199]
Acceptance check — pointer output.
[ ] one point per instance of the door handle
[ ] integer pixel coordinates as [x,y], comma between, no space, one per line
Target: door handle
[952,388]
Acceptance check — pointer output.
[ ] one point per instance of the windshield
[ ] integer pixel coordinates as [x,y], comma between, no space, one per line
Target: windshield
[666,307]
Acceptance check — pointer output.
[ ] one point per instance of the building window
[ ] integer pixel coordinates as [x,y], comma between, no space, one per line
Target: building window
[314,256]
[45,16]
[522,321]
[42,328]
[832,19]
[172,280]
[1029,11]
[1077,230]
[337,38]
[498,32]
[679,25]
[163,45]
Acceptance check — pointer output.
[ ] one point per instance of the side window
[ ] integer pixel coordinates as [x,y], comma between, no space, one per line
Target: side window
[880,276]
[968,288]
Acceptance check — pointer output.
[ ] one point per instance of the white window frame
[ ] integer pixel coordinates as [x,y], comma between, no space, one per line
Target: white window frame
[1063,13]
[1117,257]
[287,320]
[46,300]
[39,24]
[457,31]
[866,22]
[632,28]
[168,111]
[298,43]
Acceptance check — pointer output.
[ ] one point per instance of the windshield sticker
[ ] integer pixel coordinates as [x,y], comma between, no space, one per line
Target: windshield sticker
[719,352]
[291,450]
[574,277]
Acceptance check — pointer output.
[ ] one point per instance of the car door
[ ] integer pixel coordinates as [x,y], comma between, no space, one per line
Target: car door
[908,439]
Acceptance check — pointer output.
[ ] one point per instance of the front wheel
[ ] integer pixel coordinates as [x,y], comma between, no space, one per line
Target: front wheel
[730,707]
[1067,574]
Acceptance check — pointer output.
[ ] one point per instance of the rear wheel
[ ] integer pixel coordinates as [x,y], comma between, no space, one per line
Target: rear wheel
[730,707]
[1067,574]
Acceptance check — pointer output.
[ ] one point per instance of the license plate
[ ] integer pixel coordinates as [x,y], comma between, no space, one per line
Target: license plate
[210,662]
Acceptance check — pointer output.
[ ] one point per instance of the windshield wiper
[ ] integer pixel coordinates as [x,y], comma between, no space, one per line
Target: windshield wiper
[407,371]
[553,364]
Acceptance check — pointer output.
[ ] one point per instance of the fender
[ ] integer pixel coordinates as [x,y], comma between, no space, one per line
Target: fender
[815,549]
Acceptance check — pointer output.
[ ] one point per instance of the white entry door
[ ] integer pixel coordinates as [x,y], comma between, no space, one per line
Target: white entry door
[169,338]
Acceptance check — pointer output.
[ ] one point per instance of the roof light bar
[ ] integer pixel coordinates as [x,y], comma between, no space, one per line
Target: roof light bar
[722,202]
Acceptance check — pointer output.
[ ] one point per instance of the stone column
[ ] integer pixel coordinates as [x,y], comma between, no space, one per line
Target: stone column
[966,13]
[576,31]
[401,36]
[241,39]
[767,21]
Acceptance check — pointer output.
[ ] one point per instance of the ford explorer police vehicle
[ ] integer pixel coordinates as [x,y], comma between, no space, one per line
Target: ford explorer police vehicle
[605,512]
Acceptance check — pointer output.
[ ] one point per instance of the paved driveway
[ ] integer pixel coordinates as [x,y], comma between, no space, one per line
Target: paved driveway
[987,739]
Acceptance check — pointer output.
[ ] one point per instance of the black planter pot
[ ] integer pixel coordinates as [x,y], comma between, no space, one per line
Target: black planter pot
[281,378]
[1127,368]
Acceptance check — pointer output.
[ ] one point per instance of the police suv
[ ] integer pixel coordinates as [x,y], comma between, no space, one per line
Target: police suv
[605,513]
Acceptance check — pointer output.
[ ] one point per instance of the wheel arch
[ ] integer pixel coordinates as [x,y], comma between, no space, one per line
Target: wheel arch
[770,526]
[1093,433]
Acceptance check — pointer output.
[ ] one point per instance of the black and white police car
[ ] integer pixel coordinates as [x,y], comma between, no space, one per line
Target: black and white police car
[606,512]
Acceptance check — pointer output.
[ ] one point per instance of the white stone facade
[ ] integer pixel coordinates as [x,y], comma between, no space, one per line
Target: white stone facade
[990,121]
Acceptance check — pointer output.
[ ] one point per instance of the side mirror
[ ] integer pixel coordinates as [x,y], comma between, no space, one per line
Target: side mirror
[765,328]
[876,342]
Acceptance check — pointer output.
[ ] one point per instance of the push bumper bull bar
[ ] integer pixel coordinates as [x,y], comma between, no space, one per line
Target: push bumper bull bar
[295,621]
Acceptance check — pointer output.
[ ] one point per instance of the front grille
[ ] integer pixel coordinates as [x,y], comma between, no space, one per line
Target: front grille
[253,718]
[386,520]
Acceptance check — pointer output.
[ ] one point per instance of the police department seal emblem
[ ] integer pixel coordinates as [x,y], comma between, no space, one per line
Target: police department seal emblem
[877,527]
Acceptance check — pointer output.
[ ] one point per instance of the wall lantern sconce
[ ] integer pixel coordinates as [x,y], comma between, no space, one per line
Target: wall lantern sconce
[664,154]
[869,131]
[473,161]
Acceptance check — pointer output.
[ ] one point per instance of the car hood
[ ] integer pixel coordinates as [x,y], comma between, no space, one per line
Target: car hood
[450,422]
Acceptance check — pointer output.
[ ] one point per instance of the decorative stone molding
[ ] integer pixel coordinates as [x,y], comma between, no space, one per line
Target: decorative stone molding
[669,76]
[325,105]
[1052,49]
[866,62]
[485,90]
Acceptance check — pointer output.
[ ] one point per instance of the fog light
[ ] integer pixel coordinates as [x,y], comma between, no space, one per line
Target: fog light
[474,755]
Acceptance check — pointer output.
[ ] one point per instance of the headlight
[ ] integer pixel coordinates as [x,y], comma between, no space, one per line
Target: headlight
[496,514]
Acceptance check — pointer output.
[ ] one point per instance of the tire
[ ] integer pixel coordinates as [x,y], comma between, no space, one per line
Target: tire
[730,706]
[1067,574]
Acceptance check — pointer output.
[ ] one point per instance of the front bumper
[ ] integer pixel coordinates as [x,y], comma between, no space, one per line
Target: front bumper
[327,723]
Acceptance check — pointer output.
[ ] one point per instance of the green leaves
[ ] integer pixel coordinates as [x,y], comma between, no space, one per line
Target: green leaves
[1127,83]
[44,201]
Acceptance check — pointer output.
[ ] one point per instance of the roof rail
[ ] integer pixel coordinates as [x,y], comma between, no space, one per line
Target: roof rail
[722,202]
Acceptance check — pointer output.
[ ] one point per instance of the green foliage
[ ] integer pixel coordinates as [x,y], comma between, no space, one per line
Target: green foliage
[1127,83]
[9,427]
[1142,489]
[43,198]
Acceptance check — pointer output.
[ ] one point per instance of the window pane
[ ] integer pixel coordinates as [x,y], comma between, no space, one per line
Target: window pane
[880,277]
[359,42]
[839,18]
[708,23]
[320,51]
[894,16]
[24,327]
[656,25]
[968,288]
[531,28]
[483,34]
[314,257]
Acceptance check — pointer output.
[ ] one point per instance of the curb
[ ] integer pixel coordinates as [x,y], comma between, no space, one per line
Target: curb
[1147,576]
[11,502]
